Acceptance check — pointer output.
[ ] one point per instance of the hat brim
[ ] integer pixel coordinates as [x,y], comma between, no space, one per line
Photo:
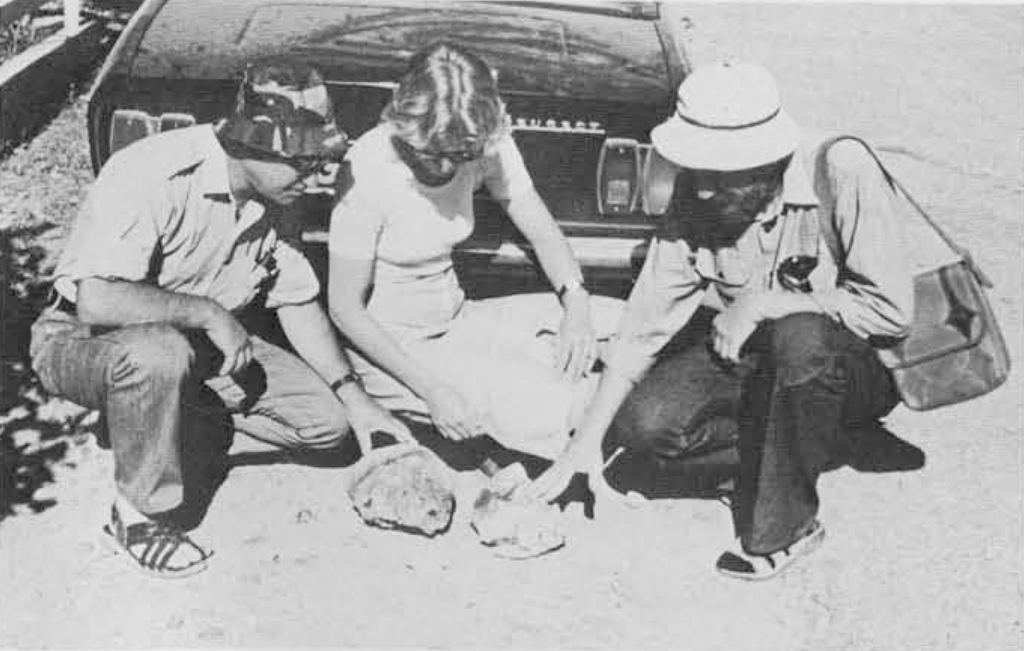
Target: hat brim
[727,150]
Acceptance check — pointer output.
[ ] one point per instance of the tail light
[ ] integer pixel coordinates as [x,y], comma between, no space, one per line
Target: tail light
[658,183]
[129,125]
[632,176]
[618,170]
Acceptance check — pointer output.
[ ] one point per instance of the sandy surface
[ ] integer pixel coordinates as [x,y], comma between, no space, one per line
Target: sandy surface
[923,560]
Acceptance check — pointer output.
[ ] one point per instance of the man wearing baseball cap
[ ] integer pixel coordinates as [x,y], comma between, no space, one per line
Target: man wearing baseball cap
[173,253]
[807,260]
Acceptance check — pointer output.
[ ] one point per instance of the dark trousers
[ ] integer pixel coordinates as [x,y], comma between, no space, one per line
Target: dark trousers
[165,413]
[784,415]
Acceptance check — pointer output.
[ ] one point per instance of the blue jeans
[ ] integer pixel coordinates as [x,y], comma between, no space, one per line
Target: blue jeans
[781,417]
[163,409]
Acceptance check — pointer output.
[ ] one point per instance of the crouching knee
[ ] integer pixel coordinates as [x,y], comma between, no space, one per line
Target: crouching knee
[801,347]
[331,430]
[154,353]
[646,430]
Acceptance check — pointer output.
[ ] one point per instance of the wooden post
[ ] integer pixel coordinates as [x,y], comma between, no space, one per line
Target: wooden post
[71,13]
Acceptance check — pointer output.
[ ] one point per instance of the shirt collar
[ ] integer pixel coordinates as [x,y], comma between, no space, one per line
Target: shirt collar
[213,168]
[214,180]
[796,185]
[207,161]
[796,191]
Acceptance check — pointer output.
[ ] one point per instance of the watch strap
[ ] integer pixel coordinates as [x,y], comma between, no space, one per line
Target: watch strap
[351,376]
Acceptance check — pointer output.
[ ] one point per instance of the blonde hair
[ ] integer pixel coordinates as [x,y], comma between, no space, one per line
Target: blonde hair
[447,98]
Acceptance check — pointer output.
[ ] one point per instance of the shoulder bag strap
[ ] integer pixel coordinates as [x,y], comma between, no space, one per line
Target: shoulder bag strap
[964,254]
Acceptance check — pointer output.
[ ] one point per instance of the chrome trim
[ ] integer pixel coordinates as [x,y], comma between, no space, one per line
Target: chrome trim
[609,252]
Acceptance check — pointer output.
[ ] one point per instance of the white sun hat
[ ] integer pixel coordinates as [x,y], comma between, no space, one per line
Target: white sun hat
[728,117]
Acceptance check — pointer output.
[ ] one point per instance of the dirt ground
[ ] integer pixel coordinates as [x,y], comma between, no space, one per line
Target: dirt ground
[929,559]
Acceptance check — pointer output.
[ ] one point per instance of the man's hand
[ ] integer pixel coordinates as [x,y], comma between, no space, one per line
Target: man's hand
[453,415]
[367,416]
[577,341]
[228,335]
[734,325]
[578,457]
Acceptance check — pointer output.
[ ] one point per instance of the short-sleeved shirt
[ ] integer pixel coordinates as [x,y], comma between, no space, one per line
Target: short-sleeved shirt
[409,229]
[161,212]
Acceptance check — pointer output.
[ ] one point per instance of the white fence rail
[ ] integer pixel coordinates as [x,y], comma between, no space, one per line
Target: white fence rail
[13,10]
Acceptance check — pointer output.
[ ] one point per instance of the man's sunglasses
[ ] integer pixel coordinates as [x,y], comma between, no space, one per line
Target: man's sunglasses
[304,165]
[307,165]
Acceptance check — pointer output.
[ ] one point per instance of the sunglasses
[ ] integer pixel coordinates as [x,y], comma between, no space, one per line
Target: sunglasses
[453,155]
[307,165]
[304,165]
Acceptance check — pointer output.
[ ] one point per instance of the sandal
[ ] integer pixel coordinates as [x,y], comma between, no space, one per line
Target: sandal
[758,567]
[153,546]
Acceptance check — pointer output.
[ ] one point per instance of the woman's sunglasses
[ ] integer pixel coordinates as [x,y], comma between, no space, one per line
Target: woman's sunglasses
[466,155]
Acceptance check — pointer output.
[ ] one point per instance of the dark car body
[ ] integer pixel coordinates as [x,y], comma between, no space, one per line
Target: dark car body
[584,85]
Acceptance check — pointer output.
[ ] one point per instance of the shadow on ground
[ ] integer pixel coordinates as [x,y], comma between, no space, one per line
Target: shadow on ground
[32,437]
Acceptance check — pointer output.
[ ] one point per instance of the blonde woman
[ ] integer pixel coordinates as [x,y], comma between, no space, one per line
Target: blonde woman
[472,367]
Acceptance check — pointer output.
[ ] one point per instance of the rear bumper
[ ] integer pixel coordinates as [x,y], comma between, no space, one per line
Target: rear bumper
[610,264]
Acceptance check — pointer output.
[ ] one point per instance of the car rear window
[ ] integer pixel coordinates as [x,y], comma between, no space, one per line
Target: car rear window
[536,50]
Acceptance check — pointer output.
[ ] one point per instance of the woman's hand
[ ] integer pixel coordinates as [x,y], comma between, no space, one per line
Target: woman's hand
[453,415]
[577,340]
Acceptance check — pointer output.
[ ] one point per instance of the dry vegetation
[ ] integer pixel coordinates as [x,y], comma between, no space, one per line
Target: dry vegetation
[41,186]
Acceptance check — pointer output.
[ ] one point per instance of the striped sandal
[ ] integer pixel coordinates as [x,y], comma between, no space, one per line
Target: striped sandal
[759,567]
[154,546]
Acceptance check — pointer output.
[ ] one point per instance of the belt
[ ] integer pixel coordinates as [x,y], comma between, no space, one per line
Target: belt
[58,302]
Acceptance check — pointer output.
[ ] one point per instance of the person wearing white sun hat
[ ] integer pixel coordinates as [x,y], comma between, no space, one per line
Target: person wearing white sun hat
[727,118]
[776,380]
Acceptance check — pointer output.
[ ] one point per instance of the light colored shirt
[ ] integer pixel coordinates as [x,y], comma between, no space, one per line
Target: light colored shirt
[409,229]
[161,213]
[845,214]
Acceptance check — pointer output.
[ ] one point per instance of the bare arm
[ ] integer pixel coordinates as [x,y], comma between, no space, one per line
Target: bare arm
[532,217]
[348,283]
[119,303]
[314,339]
[577,344]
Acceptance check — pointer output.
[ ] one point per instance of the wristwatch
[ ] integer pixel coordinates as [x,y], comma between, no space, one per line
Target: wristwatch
[571,285]
[351,376]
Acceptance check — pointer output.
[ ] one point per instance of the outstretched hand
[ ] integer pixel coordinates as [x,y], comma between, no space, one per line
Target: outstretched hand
[454,416]
[576,458]
[368,417]
[550,485]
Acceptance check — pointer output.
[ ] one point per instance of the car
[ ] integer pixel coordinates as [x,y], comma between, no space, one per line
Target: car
[584,85]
